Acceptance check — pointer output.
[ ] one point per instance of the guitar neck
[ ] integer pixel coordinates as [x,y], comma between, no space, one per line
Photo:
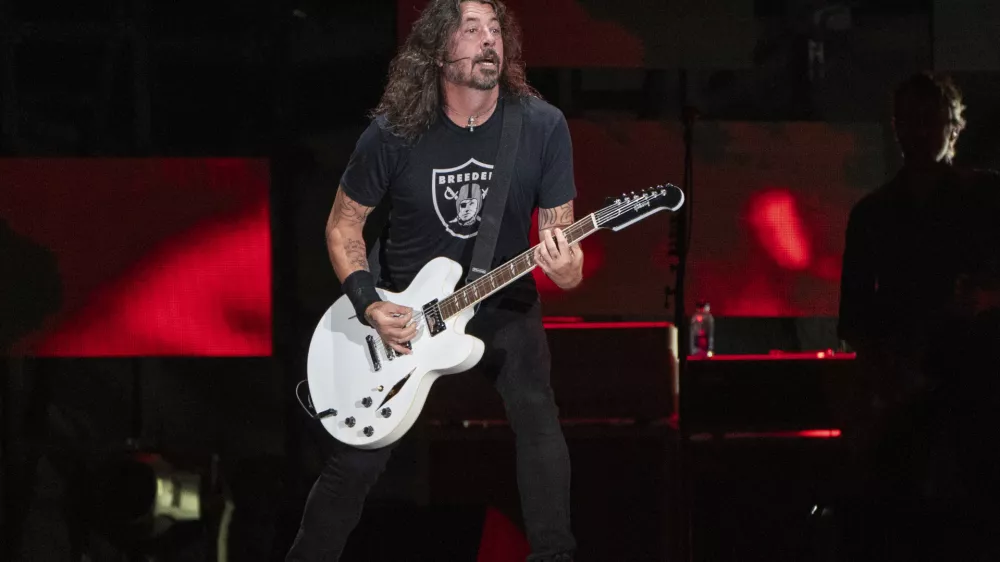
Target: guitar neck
[487,285]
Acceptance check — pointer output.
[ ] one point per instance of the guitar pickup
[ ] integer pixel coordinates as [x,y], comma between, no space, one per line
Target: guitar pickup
[432,315]
[373,352]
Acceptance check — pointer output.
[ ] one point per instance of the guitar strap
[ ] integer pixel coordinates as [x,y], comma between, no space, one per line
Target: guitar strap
[496,201]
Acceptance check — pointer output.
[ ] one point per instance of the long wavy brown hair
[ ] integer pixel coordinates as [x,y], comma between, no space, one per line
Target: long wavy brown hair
[412,96]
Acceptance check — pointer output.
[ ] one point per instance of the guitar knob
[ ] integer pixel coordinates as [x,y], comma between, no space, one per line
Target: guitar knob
[369,431]
[366,402]
[349,422]
[386,412]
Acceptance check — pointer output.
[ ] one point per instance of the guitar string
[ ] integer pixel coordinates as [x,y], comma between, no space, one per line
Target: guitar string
[601,217]
[484,282]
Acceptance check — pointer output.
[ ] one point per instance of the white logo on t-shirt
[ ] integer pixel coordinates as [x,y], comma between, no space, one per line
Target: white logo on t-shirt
[459,194]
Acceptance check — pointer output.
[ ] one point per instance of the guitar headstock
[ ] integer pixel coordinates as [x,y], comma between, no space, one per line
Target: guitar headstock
[630,208]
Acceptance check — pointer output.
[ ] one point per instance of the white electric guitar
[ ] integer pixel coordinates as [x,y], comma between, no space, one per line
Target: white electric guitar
[367,395]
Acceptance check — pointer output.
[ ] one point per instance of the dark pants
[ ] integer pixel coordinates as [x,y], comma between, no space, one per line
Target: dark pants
[517,355]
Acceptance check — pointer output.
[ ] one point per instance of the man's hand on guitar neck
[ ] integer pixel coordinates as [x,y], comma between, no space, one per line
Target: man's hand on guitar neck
[560,260]
[393,323]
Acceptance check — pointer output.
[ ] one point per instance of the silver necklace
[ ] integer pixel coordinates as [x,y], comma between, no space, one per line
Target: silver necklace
[473,118]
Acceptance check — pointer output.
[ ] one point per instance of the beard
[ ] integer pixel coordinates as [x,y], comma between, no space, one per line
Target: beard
[485,79]
[476,77]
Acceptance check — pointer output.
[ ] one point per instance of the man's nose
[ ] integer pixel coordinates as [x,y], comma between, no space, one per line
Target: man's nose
[489,38]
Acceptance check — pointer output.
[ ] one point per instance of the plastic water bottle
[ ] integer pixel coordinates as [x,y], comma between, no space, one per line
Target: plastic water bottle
[702,331]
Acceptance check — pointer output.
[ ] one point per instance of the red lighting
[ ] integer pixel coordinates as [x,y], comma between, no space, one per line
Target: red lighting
[562,325]
[781,356]
[154,256]
[800,434]
[775,219]
[502,540]
[201,294]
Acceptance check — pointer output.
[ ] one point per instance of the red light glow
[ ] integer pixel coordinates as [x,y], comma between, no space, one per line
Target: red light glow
[154,256]
[799,434]
[775,220]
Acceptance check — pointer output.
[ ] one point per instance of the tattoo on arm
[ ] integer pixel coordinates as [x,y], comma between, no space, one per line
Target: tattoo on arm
[357,253]
[348,211]
[556,217]
[344,235]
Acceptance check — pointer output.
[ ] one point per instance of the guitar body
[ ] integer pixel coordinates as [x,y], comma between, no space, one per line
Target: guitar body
[342,373]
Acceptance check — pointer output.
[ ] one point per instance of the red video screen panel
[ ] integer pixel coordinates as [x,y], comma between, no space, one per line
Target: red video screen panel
[135,257]
[770,208]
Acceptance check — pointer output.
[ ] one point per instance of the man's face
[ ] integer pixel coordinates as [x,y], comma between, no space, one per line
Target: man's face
[479,44]
[924,129]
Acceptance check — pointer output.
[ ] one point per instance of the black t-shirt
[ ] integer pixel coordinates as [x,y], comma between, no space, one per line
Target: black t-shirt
[437,184]
[902,259]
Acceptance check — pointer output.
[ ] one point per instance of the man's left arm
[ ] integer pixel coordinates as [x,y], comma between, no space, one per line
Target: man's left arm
[561,262]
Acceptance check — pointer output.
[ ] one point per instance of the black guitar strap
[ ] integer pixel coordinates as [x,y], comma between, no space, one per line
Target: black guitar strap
[496,200]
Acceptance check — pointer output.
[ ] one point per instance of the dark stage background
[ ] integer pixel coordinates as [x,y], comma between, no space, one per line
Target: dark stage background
[167,172]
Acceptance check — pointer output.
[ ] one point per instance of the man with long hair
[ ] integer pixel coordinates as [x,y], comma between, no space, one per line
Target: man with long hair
[919,305]
[439,124]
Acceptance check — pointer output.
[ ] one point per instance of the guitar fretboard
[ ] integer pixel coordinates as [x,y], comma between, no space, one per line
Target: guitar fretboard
[507,273]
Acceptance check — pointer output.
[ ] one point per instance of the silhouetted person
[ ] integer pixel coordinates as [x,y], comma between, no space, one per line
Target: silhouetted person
[919,270]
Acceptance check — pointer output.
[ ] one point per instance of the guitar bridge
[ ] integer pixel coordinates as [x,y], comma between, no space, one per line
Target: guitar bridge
[432,315]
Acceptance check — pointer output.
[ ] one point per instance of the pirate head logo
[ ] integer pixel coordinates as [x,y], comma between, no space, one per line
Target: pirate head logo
[459,194]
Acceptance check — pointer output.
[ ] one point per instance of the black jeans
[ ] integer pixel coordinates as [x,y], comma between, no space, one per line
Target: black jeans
[517,354]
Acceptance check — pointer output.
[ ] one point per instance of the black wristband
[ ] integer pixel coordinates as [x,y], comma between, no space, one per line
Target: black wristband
[360,290]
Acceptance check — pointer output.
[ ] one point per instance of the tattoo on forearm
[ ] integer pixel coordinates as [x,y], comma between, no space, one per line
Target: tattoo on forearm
[557,217]
[357,254]
[348,211]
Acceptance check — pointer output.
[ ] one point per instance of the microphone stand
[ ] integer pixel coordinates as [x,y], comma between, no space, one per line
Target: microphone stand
[682,227]
[681,240]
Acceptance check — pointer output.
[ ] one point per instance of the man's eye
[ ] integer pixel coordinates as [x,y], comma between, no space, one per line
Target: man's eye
[472,30]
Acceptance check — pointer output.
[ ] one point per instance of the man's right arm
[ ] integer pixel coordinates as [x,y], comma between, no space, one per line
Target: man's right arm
[346,244]
[345,235]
